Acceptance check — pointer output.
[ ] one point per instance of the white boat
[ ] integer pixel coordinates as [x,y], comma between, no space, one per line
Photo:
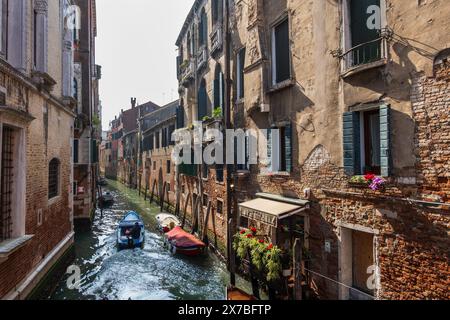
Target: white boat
[167,222]
[107,198]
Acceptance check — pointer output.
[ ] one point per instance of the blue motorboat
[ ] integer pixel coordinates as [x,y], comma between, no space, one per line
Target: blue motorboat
[131,232]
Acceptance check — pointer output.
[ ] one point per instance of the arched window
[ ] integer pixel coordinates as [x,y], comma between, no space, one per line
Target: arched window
[219,88]
[203,29]
[53,178]
[216,10]
[189,45]
[202,101]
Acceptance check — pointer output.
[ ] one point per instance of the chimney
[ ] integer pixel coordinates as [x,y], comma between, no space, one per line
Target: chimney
[133,103]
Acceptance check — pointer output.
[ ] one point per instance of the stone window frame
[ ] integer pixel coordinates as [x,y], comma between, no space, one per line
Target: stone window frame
[274,85]
[3,28]
[344,278]
[54,198]
[18,237]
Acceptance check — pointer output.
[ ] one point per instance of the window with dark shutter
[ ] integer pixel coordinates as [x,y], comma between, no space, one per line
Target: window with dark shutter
[281,54]
[240,73]
[367,142]
[76,151]
[203,28]
[368,51]
[171,131]
[202,101]
[53,179]
[3,27]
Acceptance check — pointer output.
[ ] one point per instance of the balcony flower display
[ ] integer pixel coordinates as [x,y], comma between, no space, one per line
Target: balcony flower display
[264,256]
[371,180]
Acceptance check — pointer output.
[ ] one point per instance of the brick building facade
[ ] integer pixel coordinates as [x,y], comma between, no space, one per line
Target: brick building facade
[36,133]
[354,87]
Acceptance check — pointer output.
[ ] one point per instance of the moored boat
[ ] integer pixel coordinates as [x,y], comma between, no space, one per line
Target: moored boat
[182,242]
[236,294]
[131,232]
[107,198]
[167,222]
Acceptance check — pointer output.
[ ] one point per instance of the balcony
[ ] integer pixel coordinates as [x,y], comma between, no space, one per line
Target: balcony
[215,124]
[368,55]
[202,58]
[217,40]
[187,72]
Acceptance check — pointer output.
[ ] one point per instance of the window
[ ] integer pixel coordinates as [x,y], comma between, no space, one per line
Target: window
[7,182]
[168,187]
[203,29]
[240,73]
[3,27]
[364,39]
[154,165]
[281,52]
[205,171]
[157,140]
[219,207]
[76,150]
[180,117]
[35,39]
[171,131]
[216,10]
[169,164]
[205,200]
[367,141]
[202,101]
[219,172]
[219,89]
[279,149]
[53,179]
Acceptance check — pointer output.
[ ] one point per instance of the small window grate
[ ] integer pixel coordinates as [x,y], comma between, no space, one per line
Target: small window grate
[7,178]
[53,173]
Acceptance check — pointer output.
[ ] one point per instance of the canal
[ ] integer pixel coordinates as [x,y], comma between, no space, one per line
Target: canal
[148,274]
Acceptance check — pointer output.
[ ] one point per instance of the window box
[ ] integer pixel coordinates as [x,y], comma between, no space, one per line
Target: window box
[372,182]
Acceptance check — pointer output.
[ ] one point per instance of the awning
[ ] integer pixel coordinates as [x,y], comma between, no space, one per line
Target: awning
[268,211]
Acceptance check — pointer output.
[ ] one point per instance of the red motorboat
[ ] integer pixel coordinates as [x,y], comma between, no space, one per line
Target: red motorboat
[184,243]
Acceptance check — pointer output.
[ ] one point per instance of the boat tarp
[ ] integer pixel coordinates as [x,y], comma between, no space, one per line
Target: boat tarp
[182,239]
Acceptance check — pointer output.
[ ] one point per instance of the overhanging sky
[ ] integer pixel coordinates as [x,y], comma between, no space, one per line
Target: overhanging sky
[136,49]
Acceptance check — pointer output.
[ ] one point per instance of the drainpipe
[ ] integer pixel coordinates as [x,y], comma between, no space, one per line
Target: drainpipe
[230,167]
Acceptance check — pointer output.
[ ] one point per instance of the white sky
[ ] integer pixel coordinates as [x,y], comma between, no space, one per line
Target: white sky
[136,49]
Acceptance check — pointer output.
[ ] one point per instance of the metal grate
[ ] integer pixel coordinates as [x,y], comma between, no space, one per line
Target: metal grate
[53,172]
[6,183]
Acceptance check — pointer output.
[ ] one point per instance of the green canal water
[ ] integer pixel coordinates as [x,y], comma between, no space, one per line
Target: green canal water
[148,274]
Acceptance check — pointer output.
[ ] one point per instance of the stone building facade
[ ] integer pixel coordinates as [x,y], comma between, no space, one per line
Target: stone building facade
[87,132]
[201,74]
[37,111]
[157,167]
[363,91]
[354,88]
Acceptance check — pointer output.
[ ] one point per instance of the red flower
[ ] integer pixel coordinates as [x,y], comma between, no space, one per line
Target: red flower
[249,236]
[270,247]
[243,232]
[261,241]
[253,229]
[369,176]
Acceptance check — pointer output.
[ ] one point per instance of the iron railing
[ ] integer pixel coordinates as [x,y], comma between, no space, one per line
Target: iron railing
[7,178]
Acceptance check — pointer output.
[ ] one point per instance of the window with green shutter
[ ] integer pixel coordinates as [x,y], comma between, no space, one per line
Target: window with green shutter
[279,149]
[367,142]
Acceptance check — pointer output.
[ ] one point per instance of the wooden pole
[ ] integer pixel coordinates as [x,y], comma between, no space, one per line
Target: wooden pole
[195,215]
[161,196]
[153,191]
[231,256]
[205,227]
[146,190]
[189,197]
[298,252]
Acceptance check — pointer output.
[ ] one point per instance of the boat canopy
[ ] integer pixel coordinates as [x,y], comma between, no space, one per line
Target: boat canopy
[183,239]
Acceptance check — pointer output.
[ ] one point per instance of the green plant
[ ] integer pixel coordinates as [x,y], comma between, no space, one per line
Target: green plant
[217,113]
[184,64]
[265,257]
[96,120]
[358,179]
[206,118]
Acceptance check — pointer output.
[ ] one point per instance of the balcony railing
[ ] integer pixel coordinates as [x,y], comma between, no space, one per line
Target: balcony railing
[202,58]
[366,53]
[216,40]
[187,72]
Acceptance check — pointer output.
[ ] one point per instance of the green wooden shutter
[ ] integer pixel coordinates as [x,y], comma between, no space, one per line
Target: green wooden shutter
[385,140]
[352,145]
[216,91]
[288,147]
[269,149]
